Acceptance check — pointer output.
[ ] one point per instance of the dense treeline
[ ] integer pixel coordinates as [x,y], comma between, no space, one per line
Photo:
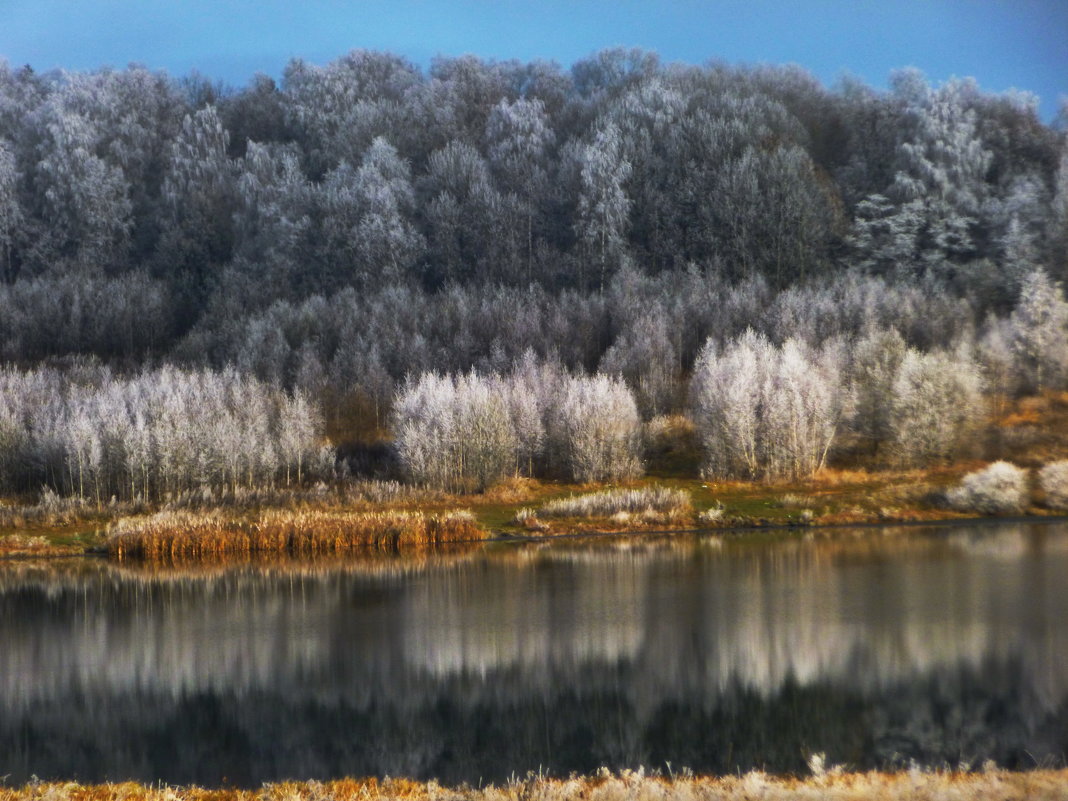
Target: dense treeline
[123,191]
[358,225]
[87,433]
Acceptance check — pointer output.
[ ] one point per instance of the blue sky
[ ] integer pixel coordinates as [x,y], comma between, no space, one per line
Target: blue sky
[1004,44]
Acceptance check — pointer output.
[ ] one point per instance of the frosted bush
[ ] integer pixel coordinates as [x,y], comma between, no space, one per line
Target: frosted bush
[661,502]
[711,515]
[1000,488]
[1053,479]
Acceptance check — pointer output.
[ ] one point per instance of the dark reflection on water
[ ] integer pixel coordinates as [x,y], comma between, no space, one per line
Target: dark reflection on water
[875,647]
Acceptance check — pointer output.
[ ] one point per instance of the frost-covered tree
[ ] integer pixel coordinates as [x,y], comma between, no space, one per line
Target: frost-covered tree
[763,411]
[368,234]
[386,241]
[461,208]
[937,399]
[196,213]
[774,211]
[603,202]
[645,355]
[876,360]
[519,137]
[928,217]
[1039,333]
[453,432]
[273,221]
[86,203]
[596,430]
[10,212]
[487,438]
[804,409]
[338,109]
[530,388]
[89,434]
[1059,215]
[467,432]
[997,358]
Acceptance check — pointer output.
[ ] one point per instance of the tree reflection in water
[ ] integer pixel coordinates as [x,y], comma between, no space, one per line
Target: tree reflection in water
[876,647]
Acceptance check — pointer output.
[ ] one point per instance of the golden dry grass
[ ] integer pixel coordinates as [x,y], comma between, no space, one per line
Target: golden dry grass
[211,535]
[1038,785]
[25,545]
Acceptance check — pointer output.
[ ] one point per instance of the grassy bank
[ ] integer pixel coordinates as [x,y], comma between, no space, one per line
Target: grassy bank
[914,785]
[308,525]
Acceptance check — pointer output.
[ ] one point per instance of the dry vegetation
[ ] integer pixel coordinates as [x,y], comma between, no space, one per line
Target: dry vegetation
[52,510]
[661,503]
[628,786]
[19,544]
[634,508]
[197,535]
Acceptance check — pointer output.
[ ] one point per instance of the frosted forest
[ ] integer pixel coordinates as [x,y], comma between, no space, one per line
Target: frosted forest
[504,268]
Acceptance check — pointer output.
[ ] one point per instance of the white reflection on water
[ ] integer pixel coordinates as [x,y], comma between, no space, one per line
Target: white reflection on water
[692,619]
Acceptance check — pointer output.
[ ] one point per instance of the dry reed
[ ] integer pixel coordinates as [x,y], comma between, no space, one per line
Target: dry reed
[209,535]
[915,785]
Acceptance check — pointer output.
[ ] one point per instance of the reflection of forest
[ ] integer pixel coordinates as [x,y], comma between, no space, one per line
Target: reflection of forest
[714,654]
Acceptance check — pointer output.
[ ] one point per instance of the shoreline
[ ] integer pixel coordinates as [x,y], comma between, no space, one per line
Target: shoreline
[517,511]
[604,786]
[577,534]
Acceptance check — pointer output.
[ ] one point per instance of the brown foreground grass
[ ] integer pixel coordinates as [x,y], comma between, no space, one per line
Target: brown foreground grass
[1035,785]
[210,535]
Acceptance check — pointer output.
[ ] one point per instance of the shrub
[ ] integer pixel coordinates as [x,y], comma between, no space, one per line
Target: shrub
[1053,479]
[1000,488]
[712,515]
[647,501]
[528,519]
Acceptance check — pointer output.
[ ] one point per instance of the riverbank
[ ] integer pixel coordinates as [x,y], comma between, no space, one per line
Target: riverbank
[836,786]
[387,516]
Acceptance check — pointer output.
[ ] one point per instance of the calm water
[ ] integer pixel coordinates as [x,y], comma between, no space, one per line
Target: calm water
[876,647]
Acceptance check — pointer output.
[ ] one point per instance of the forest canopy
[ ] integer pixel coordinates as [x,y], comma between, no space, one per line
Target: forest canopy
[356,225]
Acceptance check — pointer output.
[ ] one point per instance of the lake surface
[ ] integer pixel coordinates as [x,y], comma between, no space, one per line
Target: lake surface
[878,647]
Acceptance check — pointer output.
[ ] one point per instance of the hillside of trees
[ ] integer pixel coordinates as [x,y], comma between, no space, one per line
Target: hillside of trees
[524,252]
